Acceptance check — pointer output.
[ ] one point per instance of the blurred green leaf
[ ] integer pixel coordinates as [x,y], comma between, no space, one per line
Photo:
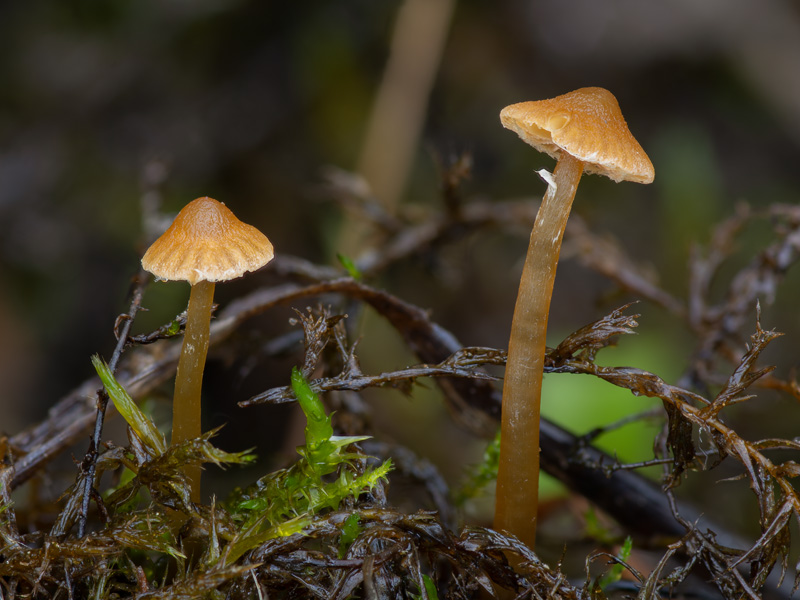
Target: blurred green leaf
[430,589]
[615,573]
[483,473]
[174,327]
[350,267]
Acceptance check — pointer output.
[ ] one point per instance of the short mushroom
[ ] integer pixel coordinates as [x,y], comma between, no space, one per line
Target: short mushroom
[585,131]
[205,244]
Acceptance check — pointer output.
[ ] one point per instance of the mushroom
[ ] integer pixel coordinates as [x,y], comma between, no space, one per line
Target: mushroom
[205,244]
[585,131]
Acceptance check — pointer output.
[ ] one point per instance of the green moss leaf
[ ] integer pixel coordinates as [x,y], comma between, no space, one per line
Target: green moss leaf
[350,531]
[318,424]
[141,425]
[284,502]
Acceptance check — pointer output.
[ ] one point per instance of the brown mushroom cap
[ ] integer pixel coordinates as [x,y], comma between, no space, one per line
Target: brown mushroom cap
[587,124]
[206,242]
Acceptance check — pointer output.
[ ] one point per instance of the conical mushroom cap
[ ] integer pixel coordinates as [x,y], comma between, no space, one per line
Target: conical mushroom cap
[588,125]
[206,242]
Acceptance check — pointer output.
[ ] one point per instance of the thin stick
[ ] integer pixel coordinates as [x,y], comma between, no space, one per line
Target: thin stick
[398,114]
[89,462]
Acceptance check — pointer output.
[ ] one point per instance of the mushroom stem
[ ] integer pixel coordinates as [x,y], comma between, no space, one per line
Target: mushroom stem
[518,471]
[189,379]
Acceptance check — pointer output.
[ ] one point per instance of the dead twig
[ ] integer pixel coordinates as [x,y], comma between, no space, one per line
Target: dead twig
[89,463]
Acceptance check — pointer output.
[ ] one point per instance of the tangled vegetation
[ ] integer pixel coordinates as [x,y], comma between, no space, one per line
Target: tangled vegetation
[323,528]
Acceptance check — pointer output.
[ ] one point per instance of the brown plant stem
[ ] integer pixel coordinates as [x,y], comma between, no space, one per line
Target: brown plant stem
[189,379]
[397,116]
[518,470]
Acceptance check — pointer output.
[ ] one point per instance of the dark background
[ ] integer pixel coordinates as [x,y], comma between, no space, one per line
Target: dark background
[249,102]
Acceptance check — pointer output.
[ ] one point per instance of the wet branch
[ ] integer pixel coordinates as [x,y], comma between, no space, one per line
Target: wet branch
[461,364]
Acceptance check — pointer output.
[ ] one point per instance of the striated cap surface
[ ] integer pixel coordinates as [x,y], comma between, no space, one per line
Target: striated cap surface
[587,124]
[206,242]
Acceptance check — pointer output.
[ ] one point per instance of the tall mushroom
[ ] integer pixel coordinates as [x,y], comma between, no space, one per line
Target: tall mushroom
[585,131]
[205,244]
